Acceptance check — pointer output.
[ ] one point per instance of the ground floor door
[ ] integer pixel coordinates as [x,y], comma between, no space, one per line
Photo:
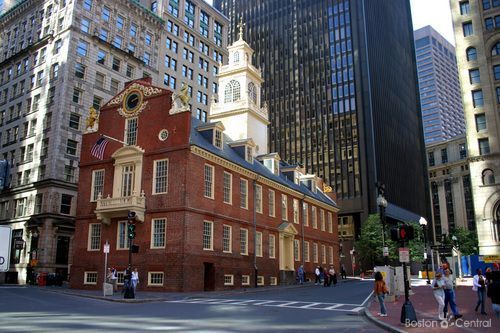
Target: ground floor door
[209,276]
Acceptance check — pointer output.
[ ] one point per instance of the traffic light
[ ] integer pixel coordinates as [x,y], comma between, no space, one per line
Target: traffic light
[406,232]
[395,234]
[131,231]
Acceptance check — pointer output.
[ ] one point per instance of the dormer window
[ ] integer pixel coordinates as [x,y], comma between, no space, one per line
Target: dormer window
[232,92]
[218,139]
[252,93]
[249,154]
[272,165]
[236,57]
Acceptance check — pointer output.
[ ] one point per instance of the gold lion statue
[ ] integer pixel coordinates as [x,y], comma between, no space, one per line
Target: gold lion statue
[184,95]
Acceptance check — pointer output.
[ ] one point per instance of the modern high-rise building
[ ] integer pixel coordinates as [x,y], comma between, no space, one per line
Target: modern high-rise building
[477,36]
[440,97]
[340,83]
[57,60]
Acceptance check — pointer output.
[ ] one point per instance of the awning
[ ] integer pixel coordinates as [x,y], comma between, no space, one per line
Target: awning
[401,214]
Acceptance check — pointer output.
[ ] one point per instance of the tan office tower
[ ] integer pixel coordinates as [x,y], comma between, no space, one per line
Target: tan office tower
[477,34]
[58,58]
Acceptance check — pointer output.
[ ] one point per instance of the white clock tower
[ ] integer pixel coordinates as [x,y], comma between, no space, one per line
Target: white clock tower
[239,105]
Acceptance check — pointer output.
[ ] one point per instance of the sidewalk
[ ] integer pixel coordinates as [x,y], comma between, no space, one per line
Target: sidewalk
[152,296]
[426,308]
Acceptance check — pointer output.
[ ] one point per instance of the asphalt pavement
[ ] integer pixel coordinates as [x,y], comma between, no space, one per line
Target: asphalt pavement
[305,308]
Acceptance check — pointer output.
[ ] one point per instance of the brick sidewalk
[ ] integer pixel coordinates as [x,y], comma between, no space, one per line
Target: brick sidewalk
[426,308]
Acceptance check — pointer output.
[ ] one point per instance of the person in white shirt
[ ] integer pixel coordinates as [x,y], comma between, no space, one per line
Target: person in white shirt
[135,278]
[438,290]
[479,286]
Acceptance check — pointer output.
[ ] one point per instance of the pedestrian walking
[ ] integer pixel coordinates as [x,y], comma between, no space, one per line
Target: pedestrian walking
[135,278]
[300,274]
[333,276]
[494,292]
[317,274]
[343,272]
[449,295]
[326,277]
[479,286]
[380,290]
[438,290]
[112,278]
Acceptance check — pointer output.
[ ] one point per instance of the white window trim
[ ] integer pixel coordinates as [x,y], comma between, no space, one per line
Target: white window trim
[330,250]
[212,185]
[258,254]
[127,241]
[156,284]
[296,211]
[259,207]
[273,212]
[246,243]
[154,176]
[211,235]
[152,233]
[230,283]
[322,219]
[296,242]
[260,280]
[323,254]
[306,213]
[230,239]
[273,253]
[246,191]
[92,193]
[330,222]
[247,277]
[307,253]
[89,239]
[314,217]
[273,281]
[284,207]
[230,202]
[85,278]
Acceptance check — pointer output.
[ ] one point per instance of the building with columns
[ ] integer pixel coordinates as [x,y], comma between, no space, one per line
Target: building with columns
[214,209]
[477,37]
[58,59]
[450,187]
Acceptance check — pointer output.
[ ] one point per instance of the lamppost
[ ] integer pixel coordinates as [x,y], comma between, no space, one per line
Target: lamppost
[423,223]
[382,205]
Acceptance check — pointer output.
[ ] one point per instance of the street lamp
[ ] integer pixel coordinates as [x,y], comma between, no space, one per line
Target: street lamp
[382,204]
[423,223]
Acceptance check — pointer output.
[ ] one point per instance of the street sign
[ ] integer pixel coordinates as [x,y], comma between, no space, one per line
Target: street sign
[5,238]
[490,259]
[404,254]
[106,248]
[386,251]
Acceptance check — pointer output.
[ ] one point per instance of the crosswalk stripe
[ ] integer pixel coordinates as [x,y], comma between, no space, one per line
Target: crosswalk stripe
[309,305]
[333,307]
[286,304]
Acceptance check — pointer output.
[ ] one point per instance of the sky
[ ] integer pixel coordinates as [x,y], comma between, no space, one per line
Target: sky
[429,12]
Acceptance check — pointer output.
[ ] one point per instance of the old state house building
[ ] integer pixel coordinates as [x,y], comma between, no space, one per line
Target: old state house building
[214,209]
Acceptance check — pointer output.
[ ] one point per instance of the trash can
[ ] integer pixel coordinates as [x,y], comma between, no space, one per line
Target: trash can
[107,289]
[42,279]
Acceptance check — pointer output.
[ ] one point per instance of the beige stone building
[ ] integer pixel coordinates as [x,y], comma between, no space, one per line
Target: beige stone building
[58,58]
[477,36]
[450,187]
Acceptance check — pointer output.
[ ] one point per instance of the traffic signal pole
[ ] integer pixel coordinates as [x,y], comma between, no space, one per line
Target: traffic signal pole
[129,289]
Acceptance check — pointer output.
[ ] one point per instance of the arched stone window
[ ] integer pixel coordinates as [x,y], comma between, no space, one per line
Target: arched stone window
[495,50]
[488,177]
[471,53]
[236,57]
[232,92]
[252,93]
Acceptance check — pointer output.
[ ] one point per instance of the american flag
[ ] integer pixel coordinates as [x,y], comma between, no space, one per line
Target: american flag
[98,148]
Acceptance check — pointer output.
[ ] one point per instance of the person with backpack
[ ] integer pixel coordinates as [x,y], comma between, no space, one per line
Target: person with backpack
[479,286]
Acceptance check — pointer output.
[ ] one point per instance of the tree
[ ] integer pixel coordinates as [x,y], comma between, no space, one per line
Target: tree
[369,245]
[466,241]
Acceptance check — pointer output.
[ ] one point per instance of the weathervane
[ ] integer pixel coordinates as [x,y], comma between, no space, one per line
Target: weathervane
[240,26]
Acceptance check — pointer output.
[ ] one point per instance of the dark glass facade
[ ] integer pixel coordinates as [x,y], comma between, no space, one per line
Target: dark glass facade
[340,83]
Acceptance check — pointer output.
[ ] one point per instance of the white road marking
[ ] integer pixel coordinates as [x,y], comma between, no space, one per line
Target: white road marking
[333,307]
[309,305]
[286,304]
[366,300]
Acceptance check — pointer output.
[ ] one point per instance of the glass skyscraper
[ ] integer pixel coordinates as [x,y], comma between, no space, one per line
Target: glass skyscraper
[341,87]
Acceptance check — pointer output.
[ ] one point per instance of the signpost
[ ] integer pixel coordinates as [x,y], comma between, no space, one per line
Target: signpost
[5,239]
[107,287]
[404,254]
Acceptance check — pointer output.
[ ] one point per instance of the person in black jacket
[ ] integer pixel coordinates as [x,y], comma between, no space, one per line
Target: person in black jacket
[494,292]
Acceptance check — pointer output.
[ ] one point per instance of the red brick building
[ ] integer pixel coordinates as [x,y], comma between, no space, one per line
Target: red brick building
[212,213]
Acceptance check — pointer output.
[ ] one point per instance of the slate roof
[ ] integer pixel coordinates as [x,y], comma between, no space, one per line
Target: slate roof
[229,154]
[401,214]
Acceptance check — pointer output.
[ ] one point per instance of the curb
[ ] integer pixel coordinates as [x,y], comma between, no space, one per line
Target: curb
[380,323]
[104,298]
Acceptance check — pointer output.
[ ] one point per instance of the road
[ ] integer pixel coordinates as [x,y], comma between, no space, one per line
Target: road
[303,309]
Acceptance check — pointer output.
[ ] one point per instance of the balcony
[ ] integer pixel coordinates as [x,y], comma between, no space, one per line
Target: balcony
[108,208]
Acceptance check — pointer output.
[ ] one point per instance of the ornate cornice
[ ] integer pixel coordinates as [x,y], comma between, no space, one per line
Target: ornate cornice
[481,158]
[147,91]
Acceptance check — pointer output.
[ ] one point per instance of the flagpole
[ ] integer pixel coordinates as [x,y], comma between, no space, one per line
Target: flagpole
[111,138]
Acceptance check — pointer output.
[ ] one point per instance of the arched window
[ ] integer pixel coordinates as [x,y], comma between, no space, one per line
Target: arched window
[471,54]
[252,92]
[236,57]
[232,91]
[488,177]
[495,50]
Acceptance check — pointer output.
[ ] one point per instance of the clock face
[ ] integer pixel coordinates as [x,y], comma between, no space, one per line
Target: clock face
[132,102]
